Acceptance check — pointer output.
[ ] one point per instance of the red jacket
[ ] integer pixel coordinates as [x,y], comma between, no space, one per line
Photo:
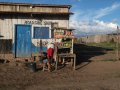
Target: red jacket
[50,52]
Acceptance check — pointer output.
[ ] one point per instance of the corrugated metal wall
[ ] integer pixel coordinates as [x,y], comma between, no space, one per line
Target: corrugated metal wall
[8,22]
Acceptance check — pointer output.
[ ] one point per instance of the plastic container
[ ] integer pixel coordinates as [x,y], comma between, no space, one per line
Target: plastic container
[33,66]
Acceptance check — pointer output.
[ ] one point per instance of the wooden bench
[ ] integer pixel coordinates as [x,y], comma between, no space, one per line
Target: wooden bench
[37,56]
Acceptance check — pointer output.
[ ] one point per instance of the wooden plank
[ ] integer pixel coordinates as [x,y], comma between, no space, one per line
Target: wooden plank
[14,8]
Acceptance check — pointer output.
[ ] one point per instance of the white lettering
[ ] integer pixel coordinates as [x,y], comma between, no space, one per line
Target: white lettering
[38,22]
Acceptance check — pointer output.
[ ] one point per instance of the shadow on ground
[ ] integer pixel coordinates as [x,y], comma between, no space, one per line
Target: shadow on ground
[84,52]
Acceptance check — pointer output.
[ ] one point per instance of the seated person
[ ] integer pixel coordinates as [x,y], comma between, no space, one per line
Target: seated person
[46,60]
[43,59]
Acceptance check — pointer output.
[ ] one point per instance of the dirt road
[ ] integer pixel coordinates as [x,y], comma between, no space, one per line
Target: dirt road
[96,75]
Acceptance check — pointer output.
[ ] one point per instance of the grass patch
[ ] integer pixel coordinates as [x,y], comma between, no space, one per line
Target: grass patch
[112,60]
[108,45]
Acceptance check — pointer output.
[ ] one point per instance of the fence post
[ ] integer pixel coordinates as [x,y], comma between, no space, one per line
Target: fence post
[117,44]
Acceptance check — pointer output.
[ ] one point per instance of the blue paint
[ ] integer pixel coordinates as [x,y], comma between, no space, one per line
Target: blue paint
[36,49]
[41,32]
[23,41]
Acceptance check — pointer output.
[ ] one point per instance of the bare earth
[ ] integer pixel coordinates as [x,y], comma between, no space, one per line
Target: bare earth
[95,75]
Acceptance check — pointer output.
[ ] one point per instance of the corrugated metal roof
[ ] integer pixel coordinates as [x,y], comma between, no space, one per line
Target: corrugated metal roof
[37,5]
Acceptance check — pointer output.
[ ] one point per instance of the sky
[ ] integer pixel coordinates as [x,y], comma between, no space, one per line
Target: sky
[91,17]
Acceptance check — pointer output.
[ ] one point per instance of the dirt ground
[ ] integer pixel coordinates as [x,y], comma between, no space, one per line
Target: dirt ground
[98,72]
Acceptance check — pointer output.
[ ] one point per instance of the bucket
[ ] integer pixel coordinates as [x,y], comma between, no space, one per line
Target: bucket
[33,66]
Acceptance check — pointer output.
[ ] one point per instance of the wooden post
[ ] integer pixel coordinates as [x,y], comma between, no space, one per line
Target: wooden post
[56,54]
[71,49]
[74,62]
[117,44]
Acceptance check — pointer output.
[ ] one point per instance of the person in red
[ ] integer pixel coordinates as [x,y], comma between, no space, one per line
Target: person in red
[50,52]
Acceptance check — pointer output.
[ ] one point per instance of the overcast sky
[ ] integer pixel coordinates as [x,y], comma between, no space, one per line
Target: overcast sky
[90,16]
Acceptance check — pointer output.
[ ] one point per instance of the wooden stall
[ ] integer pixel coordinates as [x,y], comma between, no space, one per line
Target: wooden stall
[64,53]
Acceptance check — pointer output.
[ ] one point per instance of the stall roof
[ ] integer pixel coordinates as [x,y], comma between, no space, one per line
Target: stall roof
[63,28]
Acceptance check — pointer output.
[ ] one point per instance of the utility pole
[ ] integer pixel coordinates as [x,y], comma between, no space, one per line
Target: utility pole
[117,44]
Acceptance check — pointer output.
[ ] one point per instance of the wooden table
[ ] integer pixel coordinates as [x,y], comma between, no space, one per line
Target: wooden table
[67,55]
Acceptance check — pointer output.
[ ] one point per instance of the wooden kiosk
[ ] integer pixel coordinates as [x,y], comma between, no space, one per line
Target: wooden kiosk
[64,49]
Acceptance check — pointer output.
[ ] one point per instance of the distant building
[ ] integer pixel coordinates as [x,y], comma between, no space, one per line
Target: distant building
[99,38]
